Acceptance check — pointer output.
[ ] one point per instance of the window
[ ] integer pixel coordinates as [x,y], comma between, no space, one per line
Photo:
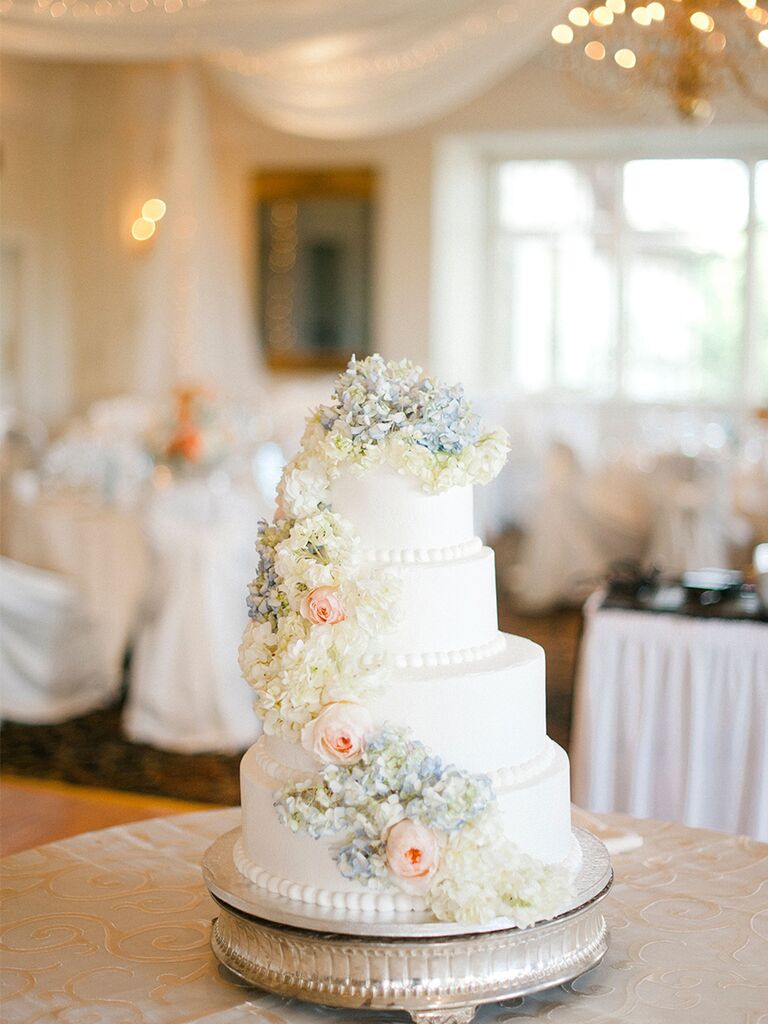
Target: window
[645,279]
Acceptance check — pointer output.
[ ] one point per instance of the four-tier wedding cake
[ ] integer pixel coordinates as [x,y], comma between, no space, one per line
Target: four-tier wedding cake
[404,766]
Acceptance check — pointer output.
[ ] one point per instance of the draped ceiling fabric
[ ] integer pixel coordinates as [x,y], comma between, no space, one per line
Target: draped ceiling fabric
[194,314]
[323,68]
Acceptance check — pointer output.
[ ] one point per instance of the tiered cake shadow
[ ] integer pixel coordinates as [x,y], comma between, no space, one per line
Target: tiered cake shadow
[434,971]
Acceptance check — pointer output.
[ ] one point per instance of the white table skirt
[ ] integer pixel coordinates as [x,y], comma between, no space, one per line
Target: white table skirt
[671,719]
[114,927]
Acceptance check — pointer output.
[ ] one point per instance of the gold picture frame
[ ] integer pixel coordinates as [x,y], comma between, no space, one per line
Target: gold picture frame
[314,265]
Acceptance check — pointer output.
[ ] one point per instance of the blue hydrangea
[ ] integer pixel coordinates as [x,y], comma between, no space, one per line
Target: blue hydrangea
[266,601]
[374,399]
[397,777]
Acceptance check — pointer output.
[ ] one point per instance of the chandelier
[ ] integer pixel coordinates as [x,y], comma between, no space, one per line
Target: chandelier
[687,49]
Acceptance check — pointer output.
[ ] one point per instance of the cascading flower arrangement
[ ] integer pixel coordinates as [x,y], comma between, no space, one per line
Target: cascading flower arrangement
[312,653]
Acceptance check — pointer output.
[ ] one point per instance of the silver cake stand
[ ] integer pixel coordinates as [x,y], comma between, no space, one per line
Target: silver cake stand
[436,972]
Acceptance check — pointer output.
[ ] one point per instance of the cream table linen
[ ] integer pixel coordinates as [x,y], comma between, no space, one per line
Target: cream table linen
[113,927]
[671,719]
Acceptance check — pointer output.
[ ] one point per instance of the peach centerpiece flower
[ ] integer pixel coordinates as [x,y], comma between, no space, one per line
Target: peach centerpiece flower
[322,606]
[337,735]
[413,855]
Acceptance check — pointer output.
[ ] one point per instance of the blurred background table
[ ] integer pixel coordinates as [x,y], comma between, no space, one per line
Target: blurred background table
[671,718]
[116,925]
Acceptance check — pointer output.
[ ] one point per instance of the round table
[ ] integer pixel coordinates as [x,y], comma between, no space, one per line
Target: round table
[114,926]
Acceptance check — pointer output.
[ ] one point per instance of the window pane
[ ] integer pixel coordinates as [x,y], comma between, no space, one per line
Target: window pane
[525,312]
[548,195]
[586,315]
[700,197]
[761,313]
[555,304]
[684,316]
[761,191]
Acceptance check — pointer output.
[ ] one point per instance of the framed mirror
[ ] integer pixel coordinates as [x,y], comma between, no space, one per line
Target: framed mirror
[314,265]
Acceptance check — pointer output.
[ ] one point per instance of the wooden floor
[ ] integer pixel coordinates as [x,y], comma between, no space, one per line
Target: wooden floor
[34,812]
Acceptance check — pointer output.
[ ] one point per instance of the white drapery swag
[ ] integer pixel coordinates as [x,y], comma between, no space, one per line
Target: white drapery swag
[324,68]
[194,313]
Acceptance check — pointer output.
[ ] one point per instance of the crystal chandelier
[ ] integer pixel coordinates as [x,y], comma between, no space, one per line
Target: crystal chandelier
[688,49]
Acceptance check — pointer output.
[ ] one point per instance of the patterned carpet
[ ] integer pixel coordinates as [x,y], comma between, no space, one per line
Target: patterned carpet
[92,750]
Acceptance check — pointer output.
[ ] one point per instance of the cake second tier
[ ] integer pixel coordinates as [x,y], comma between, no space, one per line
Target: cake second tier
[446,611]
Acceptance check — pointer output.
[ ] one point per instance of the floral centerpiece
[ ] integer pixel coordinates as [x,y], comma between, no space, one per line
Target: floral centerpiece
[195,435]
[401,817]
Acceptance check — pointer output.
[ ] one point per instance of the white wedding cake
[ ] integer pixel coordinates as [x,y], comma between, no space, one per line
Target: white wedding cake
[404,766]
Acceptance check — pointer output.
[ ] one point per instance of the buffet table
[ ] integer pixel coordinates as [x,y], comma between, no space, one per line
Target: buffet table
[114,926]
[671,718]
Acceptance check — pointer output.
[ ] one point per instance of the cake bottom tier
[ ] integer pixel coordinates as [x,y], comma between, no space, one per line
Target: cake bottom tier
[534,800]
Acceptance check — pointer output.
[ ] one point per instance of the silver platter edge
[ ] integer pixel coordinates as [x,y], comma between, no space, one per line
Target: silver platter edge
[438,973]
[230,887]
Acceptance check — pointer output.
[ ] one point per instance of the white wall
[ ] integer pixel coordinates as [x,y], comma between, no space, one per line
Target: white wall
[85,144]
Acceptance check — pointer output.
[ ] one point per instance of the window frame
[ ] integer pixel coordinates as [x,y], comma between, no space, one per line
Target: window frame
[465,341]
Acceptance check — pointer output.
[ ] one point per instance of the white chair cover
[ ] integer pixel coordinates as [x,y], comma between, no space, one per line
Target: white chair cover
[98,548]
[185,691]
[671,719]
[692,514]
[574,535]
[53,662]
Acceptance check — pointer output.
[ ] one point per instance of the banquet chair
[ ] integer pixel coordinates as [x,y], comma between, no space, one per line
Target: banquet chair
[575,534]
[53,661]
[692,518]
[185,691]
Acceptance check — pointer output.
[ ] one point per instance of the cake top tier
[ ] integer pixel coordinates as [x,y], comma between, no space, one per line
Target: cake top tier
[391,413]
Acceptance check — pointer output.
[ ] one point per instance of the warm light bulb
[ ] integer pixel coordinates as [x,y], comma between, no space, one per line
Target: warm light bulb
[617,6]
[625,58]
[562,34]
[703,22]
[142,229]
[602,16]
[763,37]
[579,16]
[595,50]
[656,11]
[642,16]
[748,3]
[153,209]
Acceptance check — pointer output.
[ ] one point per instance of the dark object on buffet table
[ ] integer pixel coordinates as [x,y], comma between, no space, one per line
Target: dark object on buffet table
[702,593]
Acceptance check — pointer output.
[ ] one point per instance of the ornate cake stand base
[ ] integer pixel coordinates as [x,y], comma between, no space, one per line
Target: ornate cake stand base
[436,978]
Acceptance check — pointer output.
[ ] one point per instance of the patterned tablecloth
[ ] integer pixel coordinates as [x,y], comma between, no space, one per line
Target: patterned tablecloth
[113,927]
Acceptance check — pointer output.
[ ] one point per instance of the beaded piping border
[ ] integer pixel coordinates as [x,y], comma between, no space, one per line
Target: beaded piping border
[503,778]
[375,902]
[412,556]
[437,659]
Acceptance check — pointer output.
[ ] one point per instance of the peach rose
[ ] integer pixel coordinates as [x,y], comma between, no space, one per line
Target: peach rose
[338,733]
[322,606]
[413,855]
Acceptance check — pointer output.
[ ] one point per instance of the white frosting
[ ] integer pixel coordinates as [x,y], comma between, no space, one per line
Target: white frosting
[390,511]
[445,606]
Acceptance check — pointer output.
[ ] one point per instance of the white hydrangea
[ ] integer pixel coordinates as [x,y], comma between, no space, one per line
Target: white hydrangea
[484,875]
[303,487]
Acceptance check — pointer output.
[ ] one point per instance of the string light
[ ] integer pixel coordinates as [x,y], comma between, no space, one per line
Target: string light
[102,9]
[562,34]
[625,58]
